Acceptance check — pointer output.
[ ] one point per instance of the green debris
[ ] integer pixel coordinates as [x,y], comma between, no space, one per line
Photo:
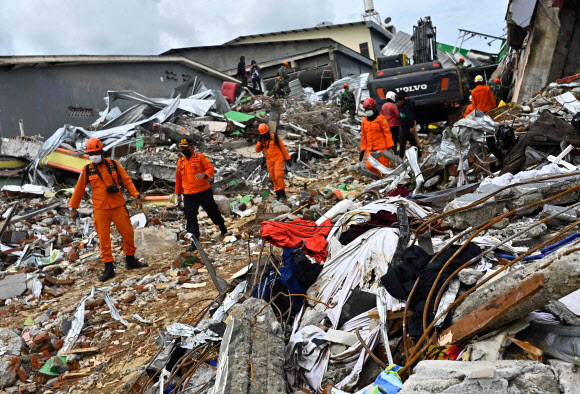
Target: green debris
[332,139]
[233,182]
[237,132]
[52,366]
[238,116]
[189,261]
[29,321]
[139,144]
[246,199]
[265,194]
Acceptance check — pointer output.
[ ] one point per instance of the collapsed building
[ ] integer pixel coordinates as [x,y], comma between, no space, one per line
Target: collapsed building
[454,269]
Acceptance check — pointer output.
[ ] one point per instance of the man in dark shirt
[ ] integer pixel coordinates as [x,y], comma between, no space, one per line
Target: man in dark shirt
[242,73]
[408,113]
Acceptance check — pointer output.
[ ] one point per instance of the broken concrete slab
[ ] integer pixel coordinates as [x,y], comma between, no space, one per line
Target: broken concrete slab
[151,241]
[505,376]
[561,273]
[251,357]
[12,286]
[11,344]
[21,147]
[9,367]
[563,219]
[568,376]
[509,199]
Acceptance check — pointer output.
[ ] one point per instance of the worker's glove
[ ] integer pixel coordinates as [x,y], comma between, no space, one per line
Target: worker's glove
[362,154]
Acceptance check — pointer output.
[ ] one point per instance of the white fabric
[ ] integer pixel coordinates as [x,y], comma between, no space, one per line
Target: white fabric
[509,179]
[354,265]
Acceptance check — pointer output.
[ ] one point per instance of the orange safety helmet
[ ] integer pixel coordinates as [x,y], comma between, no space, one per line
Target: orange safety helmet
[286,64]
[345,85]
[461,60]
[94,145]
[496,80]
[263,128]
[278,78]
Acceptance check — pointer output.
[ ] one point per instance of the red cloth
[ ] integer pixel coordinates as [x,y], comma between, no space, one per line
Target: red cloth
[298,233]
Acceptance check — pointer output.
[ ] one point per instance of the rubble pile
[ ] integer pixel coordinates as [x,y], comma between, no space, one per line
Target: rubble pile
[455,269]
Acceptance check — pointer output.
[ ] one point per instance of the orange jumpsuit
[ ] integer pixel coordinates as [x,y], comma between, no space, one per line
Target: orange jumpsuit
[275,157]
[482,98]
[468,110]
[376,136]
[187,169]
[107,207]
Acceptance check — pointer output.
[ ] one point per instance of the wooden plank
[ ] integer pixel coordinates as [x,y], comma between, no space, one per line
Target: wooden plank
[74,375]
[80,351]
[390,315]
[533,352]
[479,319]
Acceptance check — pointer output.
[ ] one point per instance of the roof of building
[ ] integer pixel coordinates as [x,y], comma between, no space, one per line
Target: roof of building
[369,24]
[43,61]
[400,43]
[328,41]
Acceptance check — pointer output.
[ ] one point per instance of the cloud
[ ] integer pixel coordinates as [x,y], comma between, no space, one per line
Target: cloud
[50,27]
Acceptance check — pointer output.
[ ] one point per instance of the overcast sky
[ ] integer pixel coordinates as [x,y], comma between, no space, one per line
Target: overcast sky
[139,27]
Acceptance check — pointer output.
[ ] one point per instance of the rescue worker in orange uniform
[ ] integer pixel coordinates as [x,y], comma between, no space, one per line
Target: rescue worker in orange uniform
[106,178]
[192,179]
[276,156]
[481,97]
[375,135]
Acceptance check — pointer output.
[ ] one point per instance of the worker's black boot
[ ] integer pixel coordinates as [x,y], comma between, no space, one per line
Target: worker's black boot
[109,272]
[131,263]
[283,195]
[278,195]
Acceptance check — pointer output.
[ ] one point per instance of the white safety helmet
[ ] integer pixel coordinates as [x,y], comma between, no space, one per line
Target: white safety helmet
[392,96]
[479,78]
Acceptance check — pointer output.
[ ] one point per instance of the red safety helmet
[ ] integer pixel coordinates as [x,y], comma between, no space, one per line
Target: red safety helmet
[345,85]
[461,60]
[369,103]
[496,80]
[263,128]
[286,64]
[94,145]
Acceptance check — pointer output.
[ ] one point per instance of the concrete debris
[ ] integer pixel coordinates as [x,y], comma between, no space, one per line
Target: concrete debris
[252,352]
[450,265]
[513,376]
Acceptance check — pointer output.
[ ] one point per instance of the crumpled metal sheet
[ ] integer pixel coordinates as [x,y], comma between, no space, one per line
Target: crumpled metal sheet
[413,156]
[382,299]
[77,323]
[232,299]
[114,312]
[470,132]
[194,336]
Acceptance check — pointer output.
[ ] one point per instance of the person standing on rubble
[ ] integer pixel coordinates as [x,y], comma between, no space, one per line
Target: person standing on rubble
[256,79]
[463,77]
[391,112]
[191,178]
[283,80]
[375,135]
[348,103]
[408,122]
[106,178]
[500,92]
[242,73]
[481,97]
[276,156]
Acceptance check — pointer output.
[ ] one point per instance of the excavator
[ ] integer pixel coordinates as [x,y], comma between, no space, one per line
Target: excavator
[436,91]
